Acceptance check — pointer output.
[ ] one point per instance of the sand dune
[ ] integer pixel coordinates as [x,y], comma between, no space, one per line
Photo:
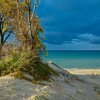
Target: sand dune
[64,87]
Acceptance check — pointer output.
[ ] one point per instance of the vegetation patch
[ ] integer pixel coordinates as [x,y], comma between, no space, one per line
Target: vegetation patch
[24,62]
[21,37]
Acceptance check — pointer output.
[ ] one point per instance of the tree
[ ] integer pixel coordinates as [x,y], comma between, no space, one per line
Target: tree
[19,17]
[28,26]
[6,27]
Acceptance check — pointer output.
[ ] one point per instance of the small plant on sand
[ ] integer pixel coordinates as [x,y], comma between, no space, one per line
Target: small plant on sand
[22,62]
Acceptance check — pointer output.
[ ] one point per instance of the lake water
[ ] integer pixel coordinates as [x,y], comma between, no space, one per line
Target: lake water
[74,59]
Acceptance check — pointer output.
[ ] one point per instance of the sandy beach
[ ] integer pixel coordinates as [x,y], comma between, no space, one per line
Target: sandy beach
[82,86]
[84,71]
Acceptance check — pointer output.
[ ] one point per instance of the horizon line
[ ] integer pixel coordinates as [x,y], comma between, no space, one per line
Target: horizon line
[73,50]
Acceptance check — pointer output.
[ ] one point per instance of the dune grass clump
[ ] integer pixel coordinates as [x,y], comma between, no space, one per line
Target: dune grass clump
[22,62]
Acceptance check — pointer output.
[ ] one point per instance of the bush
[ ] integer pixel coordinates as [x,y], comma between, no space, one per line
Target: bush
[24,61]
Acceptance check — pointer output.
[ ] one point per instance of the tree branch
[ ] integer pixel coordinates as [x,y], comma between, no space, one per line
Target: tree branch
[7,37]
[36,3]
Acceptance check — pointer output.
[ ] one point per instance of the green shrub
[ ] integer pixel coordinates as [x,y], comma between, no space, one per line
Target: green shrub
[23,61]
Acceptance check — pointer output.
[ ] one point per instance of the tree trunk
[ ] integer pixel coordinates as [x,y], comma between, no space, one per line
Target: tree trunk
[1,36]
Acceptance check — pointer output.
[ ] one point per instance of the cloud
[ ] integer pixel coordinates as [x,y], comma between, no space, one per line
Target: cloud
[90,38]
[82,45]
[65,20]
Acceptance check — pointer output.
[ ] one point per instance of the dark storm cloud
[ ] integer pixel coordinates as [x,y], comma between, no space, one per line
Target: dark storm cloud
[65,20]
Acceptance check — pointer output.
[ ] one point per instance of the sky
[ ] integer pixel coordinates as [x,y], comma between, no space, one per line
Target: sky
[70,24]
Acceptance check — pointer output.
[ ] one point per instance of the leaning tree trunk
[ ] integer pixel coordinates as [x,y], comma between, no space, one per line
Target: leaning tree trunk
[1,35]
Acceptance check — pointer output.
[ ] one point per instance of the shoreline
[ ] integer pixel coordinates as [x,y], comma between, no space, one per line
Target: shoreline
[84,71]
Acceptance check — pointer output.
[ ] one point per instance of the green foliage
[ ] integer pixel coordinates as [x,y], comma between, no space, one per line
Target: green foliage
[24,61]
[16,17]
